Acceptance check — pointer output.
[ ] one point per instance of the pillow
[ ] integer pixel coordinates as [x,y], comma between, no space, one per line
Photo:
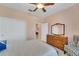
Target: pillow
[2,45]
[3,41]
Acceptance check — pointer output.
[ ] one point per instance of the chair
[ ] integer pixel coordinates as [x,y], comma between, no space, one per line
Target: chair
[72,48]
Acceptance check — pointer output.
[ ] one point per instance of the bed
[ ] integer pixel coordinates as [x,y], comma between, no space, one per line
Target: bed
[28,48]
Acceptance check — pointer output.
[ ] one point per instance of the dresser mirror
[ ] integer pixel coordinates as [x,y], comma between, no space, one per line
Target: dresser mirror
[58,29]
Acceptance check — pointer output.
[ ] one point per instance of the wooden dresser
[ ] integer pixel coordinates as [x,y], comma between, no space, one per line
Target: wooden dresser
[57,41]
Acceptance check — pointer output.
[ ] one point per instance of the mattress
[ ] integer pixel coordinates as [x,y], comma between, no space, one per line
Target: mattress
[28,48]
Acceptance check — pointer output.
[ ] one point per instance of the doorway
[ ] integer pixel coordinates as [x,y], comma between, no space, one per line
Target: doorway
[44,31]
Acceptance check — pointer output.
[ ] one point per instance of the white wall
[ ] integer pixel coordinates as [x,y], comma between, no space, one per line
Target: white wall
[18,15]
[69,17]
[12,28]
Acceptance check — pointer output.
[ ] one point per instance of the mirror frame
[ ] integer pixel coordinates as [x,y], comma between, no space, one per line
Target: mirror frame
[62,31]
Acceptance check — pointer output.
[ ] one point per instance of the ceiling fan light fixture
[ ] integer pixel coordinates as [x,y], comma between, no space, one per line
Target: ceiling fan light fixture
[40,6]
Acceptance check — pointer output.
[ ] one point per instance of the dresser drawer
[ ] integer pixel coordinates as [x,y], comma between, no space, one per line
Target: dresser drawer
[57,41]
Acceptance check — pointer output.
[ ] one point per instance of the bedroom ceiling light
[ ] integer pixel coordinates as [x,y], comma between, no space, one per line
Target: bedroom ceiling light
[40,6]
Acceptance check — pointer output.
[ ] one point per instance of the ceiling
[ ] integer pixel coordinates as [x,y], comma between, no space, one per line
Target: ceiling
[39,13]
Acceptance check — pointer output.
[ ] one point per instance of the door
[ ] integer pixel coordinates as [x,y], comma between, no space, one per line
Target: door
[44,31]
[12,28]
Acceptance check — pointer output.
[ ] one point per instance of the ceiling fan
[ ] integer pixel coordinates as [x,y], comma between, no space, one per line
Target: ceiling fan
[40,6]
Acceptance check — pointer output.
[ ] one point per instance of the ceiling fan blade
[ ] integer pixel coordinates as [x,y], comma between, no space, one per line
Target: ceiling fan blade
[44,9]
[47,4]
[33,10]
[34,3]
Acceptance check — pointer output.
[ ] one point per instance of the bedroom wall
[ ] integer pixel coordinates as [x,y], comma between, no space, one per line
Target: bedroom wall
[18,15]
[12,29]
[70,17]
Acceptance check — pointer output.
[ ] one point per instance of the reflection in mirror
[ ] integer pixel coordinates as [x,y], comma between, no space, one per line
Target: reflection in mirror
[58,29]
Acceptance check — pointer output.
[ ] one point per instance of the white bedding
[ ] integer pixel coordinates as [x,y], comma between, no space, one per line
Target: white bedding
[28,48]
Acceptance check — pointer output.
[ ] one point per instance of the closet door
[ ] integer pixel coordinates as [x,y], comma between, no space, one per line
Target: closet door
[12,28]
